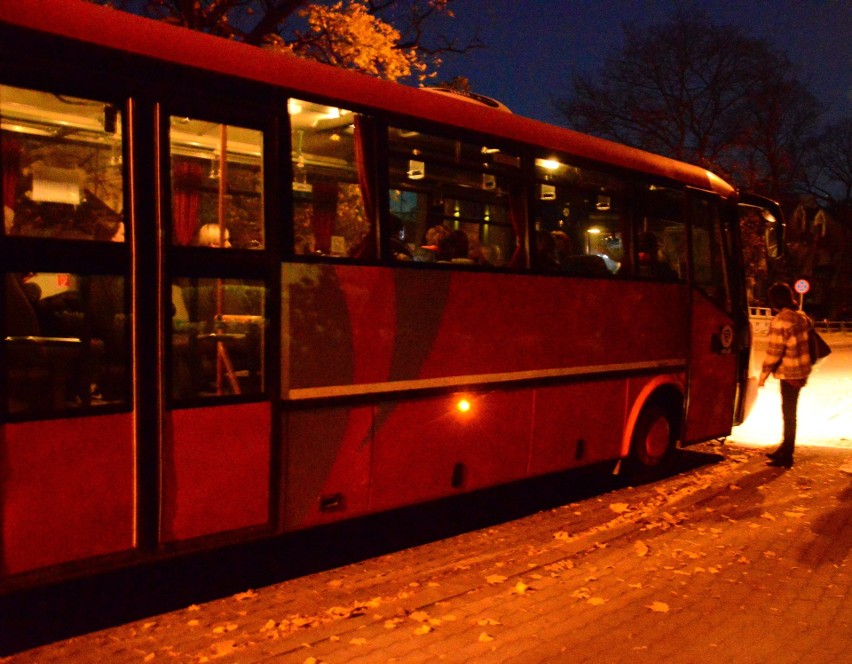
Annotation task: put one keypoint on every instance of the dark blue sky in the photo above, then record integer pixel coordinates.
(535, 46)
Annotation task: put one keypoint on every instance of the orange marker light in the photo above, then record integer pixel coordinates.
(463, 405)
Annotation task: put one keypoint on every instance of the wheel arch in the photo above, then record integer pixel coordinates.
(667, 391)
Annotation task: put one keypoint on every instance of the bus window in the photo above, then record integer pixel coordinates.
(708, 254)
(62, 166)
(661, 249)
(580, 220)
(217, 337)
(66, 338)
(217, 185)
(333, 192)
(454, 202)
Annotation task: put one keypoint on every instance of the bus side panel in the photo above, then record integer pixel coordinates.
(429, 448)
(577, 424)
(66, 490)
(216, 470)
(355, 325)
(328, 465)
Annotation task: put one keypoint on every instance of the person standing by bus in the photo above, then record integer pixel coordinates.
(788, 359)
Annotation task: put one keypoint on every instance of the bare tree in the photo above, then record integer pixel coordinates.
(702, 93)
(830, 172)
(393, 39)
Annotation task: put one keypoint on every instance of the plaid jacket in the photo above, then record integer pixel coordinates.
(787, 355)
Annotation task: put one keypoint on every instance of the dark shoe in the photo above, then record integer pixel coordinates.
(781, 462)
(779, 453)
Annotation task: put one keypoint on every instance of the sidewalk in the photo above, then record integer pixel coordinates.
(734, 561)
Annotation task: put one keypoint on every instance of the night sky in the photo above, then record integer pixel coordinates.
(535, 46)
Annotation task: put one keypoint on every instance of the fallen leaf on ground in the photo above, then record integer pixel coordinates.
(423, 629)
(485, 637)
(658, 607)
(641, 548)
(495, 578)
(419, 616)
(358, 642)
(596, 601)
(223, 648)
(619, 508)
(520, 588)
(248, 594)
(488, 621)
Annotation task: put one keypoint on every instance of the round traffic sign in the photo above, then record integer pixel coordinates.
(802, 286)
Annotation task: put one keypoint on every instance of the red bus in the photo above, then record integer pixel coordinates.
(247, 294)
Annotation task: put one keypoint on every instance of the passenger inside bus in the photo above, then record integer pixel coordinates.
(650, 261)
(210, 235)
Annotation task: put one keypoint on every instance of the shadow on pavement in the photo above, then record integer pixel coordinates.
(35, 617)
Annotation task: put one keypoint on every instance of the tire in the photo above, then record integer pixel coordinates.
(653, 440)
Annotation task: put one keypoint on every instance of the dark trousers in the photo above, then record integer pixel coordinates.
(789, 402)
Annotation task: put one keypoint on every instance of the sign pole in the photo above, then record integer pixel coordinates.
(801, 287)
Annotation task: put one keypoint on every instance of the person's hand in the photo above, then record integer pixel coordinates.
(763, 377)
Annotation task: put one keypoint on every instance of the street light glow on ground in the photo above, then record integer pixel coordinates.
(825, 404)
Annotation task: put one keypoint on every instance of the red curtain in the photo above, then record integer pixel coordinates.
(325, 212)
(365, 161)
(518, 217)
(187, 177)
(11, 163)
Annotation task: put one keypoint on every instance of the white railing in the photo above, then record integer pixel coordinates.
(840, 326)
(760, 318)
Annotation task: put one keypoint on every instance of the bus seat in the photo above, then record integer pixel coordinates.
(586, 266)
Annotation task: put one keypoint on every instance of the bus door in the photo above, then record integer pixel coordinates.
(712, 373)
(67, 444)
(216, 448)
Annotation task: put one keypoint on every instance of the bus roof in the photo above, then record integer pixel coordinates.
(102, 26)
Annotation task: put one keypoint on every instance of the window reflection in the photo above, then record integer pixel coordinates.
(708, 254)
(62, 166)
(333, 207)
(661, 248)
(454, 202)
(66, 338)
(217, 337)
(580, 220)
(217, 185)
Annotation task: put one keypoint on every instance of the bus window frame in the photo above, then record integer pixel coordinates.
(728, 245)
(287, 178)
(193, 262)
(81, 257)
(517, 175)
(628, 180)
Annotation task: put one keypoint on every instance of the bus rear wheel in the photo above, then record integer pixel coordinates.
(654, 438)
